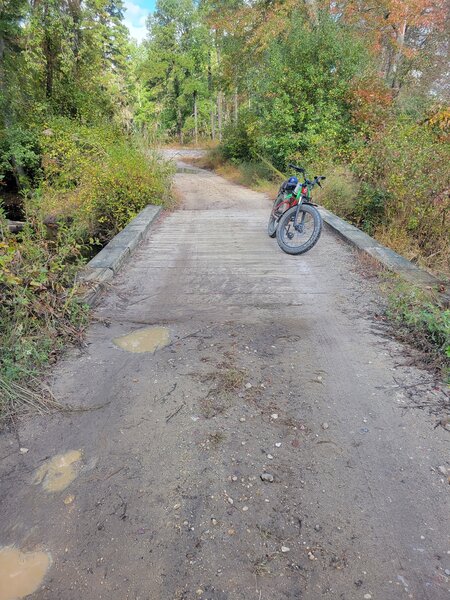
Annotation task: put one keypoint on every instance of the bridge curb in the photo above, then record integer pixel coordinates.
(99, 271)
(388, 258)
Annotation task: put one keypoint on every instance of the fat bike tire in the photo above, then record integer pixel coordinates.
(285, 227)
(272, 227)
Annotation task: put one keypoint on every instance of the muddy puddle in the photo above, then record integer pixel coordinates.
(57, 473)
(144, 340)
(21, 573)
(187, 170)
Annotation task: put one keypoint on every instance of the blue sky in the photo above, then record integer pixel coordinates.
(136, 14)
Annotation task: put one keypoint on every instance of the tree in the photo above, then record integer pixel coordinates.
(176, 72)
(399, 29)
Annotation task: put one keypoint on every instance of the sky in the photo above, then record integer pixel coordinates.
(136, 14)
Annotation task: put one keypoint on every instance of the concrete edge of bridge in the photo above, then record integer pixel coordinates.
(388, 258)
(99, 271)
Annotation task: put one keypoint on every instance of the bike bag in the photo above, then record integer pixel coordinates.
(289, 185)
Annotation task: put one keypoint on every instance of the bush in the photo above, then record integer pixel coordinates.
(19, 156)
(93, 181)
(404, 169)
(340, 192)
(238, 139)
(38, 310)
(98, 177)
(255, 173)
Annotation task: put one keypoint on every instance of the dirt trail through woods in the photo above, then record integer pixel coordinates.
(264, 364)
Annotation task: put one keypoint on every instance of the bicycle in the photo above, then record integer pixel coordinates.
(295, 220)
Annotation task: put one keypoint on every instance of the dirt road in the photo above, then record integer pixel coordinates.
(268, 365)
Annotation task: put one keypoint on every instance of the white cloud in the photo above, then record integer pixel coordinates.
(134, 20)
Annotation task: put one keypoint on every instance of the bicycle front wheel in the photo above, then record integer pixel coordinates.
(300, 237)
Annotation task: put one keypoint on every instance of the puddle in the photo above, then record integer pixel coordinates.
(187, 170)
(21, 573)
(56, 474)
(144, 340)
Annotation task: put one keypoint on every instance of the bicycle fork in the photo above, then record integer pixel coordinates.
(299, 226)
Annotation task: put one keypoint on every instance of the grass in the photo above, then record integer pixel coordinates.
(420, 320)
(226, 381)
(30, 398)
(414, 315)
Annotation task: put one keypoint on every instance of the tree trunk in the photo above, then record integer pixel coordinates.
(48, 54)
(213, 124)
(195, 118)
(75, 12)
(313, 12)
(16, 168)
(236, 106)
(180, 125)
(219, 93)
(177, 90)
(396, 62)
(219, 114)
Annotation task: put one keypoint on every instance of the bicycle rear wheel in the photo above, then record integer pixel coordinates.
(302, 237)
(272, 226)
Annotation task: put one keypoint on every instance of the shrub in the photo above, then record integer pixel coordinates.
(93, 181)
(19, 156)
(239, 138)
(340, 192)
(98, 177)
(405, 172)
(255, 173)
(38, 310)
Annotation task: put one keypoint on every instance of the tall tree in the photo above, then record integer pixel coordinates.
(176, 69)
(399, 30)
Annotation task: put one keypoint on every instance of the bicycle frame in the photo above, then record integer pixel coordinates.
(301, 195)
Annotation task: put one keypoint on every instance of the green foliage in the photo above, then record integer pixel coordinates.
(103, 177)
(421, 320)
(340, 192)
(404, 170)
(175, 71)
(93, 181)
(300, 104)
(254, 173)
(122, 186)
(239, 143)
(38, 311)
(19, 154)
(370, 208)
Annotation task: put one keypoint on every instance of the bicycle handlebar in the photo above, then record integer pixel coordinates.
(315, 181)
(299, 169)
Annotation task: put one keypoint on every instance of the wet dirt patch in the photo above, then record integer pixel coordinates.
(59, 472)
(21, 573)
(149, 340)
(188, 170)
